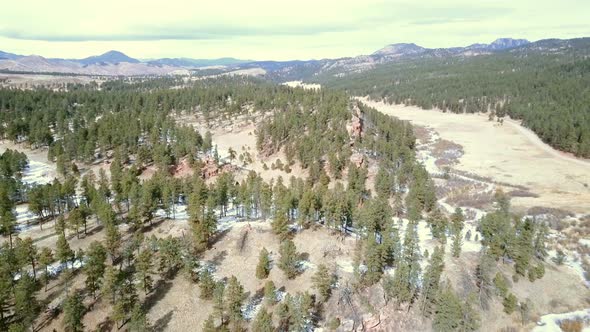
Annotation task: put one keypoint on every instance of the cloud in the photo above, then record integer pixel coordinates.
(187, 32)
(270, 29)
(263, 18)
(453, 15)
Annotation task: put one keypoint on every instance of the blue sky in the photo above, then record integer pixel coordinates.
(277, 29)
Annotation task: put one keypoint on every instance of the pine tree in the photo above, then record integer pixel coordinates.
(323, 281)
(452, 314)
(95, 267)
(126, 299)
(235, 297)
(375, 259)
(289, 259)
(219, 302)
(438, 224)
(110, 284)
(457, 220)
(263, 267)
(483, 278)
(144, 266)
(113, 240)
(45, 259)
(64, 253)
(431, 281)
(524, 247)
(392, 246)
(74, 312)
(406, 276)
(139, 321)
(541, 235)
(280, 225)
(25, 302)
(270, 295)
(206, 284)
(26, 253)
(263, 322)
(76, 220)
(8, 224)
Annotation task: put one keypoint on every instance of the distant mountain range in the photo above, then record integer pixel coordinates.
(110, 63)
(117, 63)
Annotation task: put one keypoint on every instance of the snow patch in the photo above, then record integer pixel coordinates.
(38, 173)
(550, 322)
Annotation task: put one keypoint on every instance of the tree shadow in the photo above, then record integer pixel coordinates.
(106, 325)
(95, 229)
(160, 289)
(163, 321)
(304, 256)
(218, 236)
(218, 258)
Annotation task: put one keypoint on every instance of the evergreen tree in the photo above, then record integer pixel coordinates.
(270, 295)
(8, 224)
(263, 322)
(406, 276)
(541, 235)
(139, 321)
(26, 253)
(457, 220)
(431, 281)
(289, 259)
(263, 267)
(25, 302)
(438, 224)
(45, 259)
(280, 225)
(219, 301)
(323, 281)
(110, 284)
(206, 284)
(375, 259)
(64, 253)
(234, 295)
(144, 266)
(95, 267)
(113, 240)
(452, 314)
(74, 312)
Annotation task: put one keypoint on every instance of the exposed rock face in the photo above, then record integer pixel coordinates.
(210, 168)
(356, 129)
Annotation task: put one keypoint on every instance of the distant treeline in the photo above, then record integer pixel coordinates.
(549, 92)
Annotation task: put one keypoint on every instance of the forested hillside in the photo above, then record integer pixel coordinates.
(547, 85)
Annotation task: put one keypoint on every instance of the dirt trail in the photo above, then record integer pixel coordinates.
(544, 146)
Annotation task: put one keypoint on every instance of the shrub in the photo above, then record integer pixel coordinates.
(571, 325)
(510, 302)
(501, 284)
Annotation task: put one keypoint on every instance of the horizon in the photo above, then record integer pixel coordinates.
(260, 30)
(144, 59)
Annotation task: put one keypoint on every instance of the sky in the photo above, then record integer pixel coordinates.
(275, 29)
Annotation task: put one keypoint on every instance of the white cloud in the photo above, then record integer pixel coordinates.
(265, 29)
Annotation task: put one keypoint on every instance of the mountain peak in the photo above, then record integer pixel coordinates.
(400, 49)
(504, 43)
(112, 57)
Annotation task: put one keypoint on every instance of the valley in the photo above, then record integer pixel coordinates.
(411, 189)
(507, 153)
